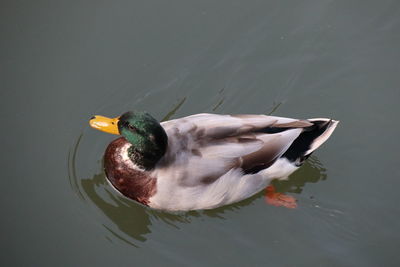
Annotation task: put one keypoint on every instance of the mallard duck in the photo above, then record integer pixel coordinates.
(204, 161)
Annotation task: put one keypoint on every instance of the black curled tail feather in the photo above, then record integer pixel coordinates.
(309, 140)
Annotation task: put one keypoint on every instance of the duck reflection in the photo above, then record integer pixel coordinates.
(133, 220)
(312, 171)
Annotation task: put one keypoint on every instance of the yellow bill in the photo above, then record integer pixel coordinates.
(108, 125)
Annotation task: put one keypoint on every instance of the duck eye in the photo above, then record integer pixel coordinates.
(132, 128)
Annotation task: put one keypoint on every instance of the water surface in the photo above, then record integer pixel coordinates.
(63, 62)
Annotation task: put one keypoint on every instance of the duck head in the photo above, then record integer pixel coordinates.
(145, 134)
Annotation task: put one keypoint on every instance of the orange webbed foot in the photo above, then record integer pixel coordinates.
(278, 199)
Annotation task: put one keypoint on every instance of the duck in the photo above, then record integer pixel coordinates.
(205, 161)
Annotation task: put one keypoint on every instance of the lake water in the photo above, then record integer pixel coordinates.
(64, 61)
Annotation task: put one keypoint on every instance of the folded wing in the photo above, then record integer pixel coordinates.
(205, 146)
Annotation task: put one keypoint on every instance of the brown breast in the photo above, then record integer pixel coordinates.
(132, 183)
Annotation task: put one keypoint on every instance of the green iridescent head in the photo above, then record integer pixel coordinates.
(142, 131)
(148, 138)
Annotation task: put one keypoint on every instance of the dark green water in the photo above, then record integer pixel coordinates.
(64, 61)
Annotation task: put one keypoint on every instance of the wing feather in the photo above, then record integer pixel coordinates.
(204, 147)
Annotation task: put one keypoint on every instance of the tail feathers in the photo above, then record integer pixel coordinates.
(327, 128)
(309, 140)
